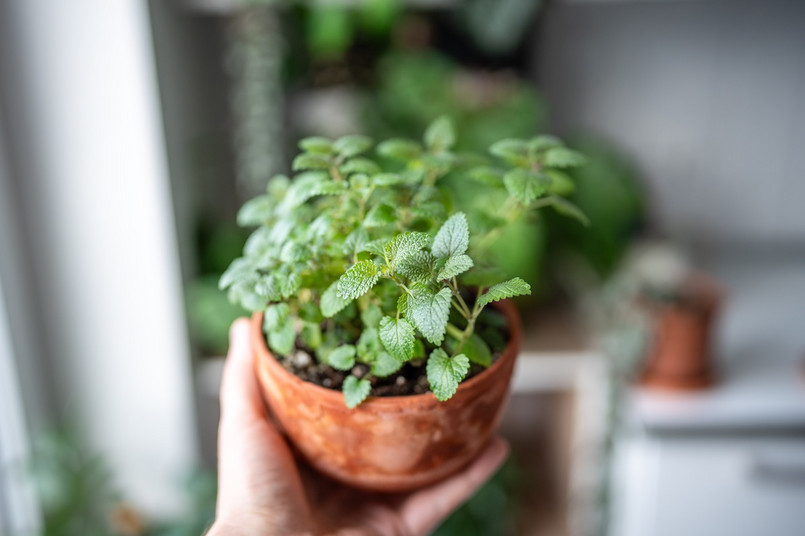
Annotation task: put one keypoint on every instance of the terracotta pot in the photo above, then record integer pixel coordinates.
(387, 443)
(680, 359)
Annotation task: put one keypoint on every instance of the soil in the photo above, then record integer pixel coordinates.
(411, 379)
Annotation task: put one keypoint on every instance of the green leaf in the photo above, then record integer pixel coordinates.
(355, 390)
(487, 175)
(278, 325)
(404, 245)
(385, 365)
(316, 144)
(342, 358)
(360, 165)
(440, 135)
(416, 266)
(256, 211)
(355, 241)
(566, 208)
(454, 266)
(561, 183)
(388, 179)
(397, 335)
(275, 316)
(475, 348)
(375, 246)
(358, 280)
(507, 289)
(562, 157)
(429, 312)
(310, 161)
(352, 145)
(445, 373)
(371, 316)
(453, 237)
(512, 151)
(380, 215)
(328, 188)
(400, 149)
(304, 187)
(402, 305)
(525, 186)
(369, 345)
(332, 302)
(542, 143)
(311, 335)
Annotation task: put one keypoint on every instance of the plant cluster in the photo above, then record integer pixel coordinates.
(363, 255)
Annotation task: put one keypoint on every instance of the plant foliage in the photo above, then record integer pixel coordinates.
(362, 256)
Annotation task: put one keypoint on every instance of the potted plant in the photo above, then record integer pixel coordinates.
(384, 349)
(682, 305)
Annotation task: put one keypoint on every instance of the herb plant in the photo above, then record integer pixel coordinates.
(362, 256)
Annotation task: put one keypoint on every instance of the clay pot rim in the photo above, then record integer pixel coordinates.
(423, 400)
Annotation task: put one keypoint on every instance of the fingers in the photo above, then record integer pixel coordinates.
(240, 394)
(424, 510)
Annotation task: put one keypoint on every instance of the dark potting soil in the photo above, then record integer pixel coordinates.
(411, 379)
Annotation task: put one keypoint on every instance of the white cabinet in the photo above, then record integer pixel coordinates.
(696, 485)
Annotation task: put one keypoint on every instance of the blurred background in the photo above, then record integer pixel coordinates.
(660, 389)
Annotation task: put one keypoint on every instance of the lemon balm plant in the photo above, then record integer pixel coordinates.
(363, 263)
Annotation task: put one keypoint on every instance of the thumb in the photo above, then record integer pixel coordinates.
(240, 394)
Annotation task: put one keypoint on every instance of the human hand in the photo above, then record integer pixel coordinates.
(262, 490)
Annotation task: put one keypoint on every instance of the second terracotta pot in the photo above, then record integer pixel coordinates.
(388, 443)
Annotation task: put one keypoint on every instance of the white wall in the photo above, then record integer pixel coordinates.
(87, 130)
(708, 96)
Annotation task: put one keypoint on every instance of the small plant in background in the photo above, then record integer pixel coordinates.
(362, 262)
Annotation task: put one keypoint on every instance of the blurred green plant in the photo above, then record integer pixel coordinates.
(493, 509)
(75, 487)
(413, 88)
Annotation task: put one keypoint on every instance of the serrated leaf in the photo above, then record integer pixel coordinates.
(540, 144)
(525, 186)
(328, 188)
(388, 179)
(331, 302)
(270, 286)
(303, 188)
(453, 237)
(385, 365)
(402, 305)
(566, 208)
(342, 358)
(375, 246)
(445, 373)
(429, 312)
(475, 348)
(355, 241)
(416, 266)
(400, 149)
(562, 157)
(290, 285)
(238, 270)
(440, 135)
(355, 391)
(310, 161)
(358, 280)
(397, 336)
(511, 150)
(360, 165)
(256, 211)
(316, 144)
(380, 215)
(507, 289)
(454, 266)
(404, 244)
(352, 145)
